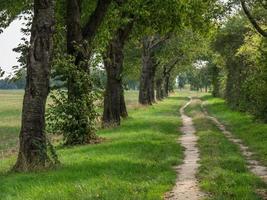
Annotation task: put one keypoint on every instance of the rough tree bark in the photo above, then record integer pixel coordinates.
(74, 37)
(114, 102)
(32, 151)
(159, 89)
(146, 91)
(149, 68)
(77, 35)
(167, 74)
(166, 85)
(82, 37)
(123, 108)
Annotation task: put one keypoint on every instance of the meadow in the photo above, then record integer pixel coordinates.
(134, 162)
(223, 171)
(10, 117)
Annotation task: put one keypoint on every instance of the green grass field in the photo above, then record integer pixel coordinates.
(243, 126)
(10, 117)
(135, 162)
(223, 172)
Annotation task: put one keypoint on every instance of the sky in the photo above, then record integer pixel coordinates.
(10, 39)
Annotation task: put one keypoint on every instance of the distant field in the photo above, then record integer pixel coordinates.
(10, 117)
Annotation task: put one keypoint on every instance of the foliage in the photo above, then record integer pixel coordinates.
(254, 50)
(10, 84)
(76, 120)
(10, 10)
(243, 66)
(199, 76)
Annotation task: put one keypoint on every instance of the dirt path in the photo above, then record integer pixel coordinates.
(255, 166)
(187, 185)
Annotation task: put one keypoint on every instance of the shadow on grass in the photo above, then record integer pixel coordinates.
(134, 161)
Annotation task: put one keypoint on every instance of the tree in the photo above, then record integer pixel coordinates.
(252, 19)
(10, 10)
(227, 42)
(163, 80)
(33, 151)
(149, 65)
(114, 102)
(181, 15)
(79, 46)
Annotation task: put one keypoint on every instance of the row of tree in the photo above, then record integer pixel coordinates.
(72, 40)
(233, 58)
(78, 42)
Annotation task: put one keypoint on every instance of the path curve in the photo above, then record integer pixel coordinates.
(254, 166)
(187, 185)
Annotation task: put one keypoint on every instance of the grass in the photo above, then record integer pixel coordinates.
(10, 115)
(135, 162)
(242, 125)
(223, 173)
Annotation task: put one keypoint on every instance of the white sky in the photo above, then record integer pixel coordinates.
(9, 39)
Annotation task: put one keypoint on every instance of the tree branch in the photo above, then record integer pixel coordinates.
(124, 30)
(252, 20)
(94, 21)
(172, 64)
(158, 41)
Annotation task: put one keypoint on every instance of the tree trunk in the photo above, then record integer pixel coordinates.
(33, 151)
(82, 37)
(114, 102)
(112, 99)
(252, 19)
(215, 81)
(166, 85)
(159, 90)
(123, 108)
(152, 89)
(74, 39)
(77, 35)
(146, 92)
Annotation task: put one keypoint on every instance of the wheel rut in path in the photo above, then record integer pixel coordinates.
(254, 166)
(186, 186)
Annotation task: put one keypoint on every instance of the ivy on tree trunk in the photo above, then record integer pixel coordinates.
(79, 45)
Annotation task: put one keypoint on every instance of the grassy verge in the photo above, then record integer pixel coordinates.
(253, 133)
(134, 163)
(223, 173)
